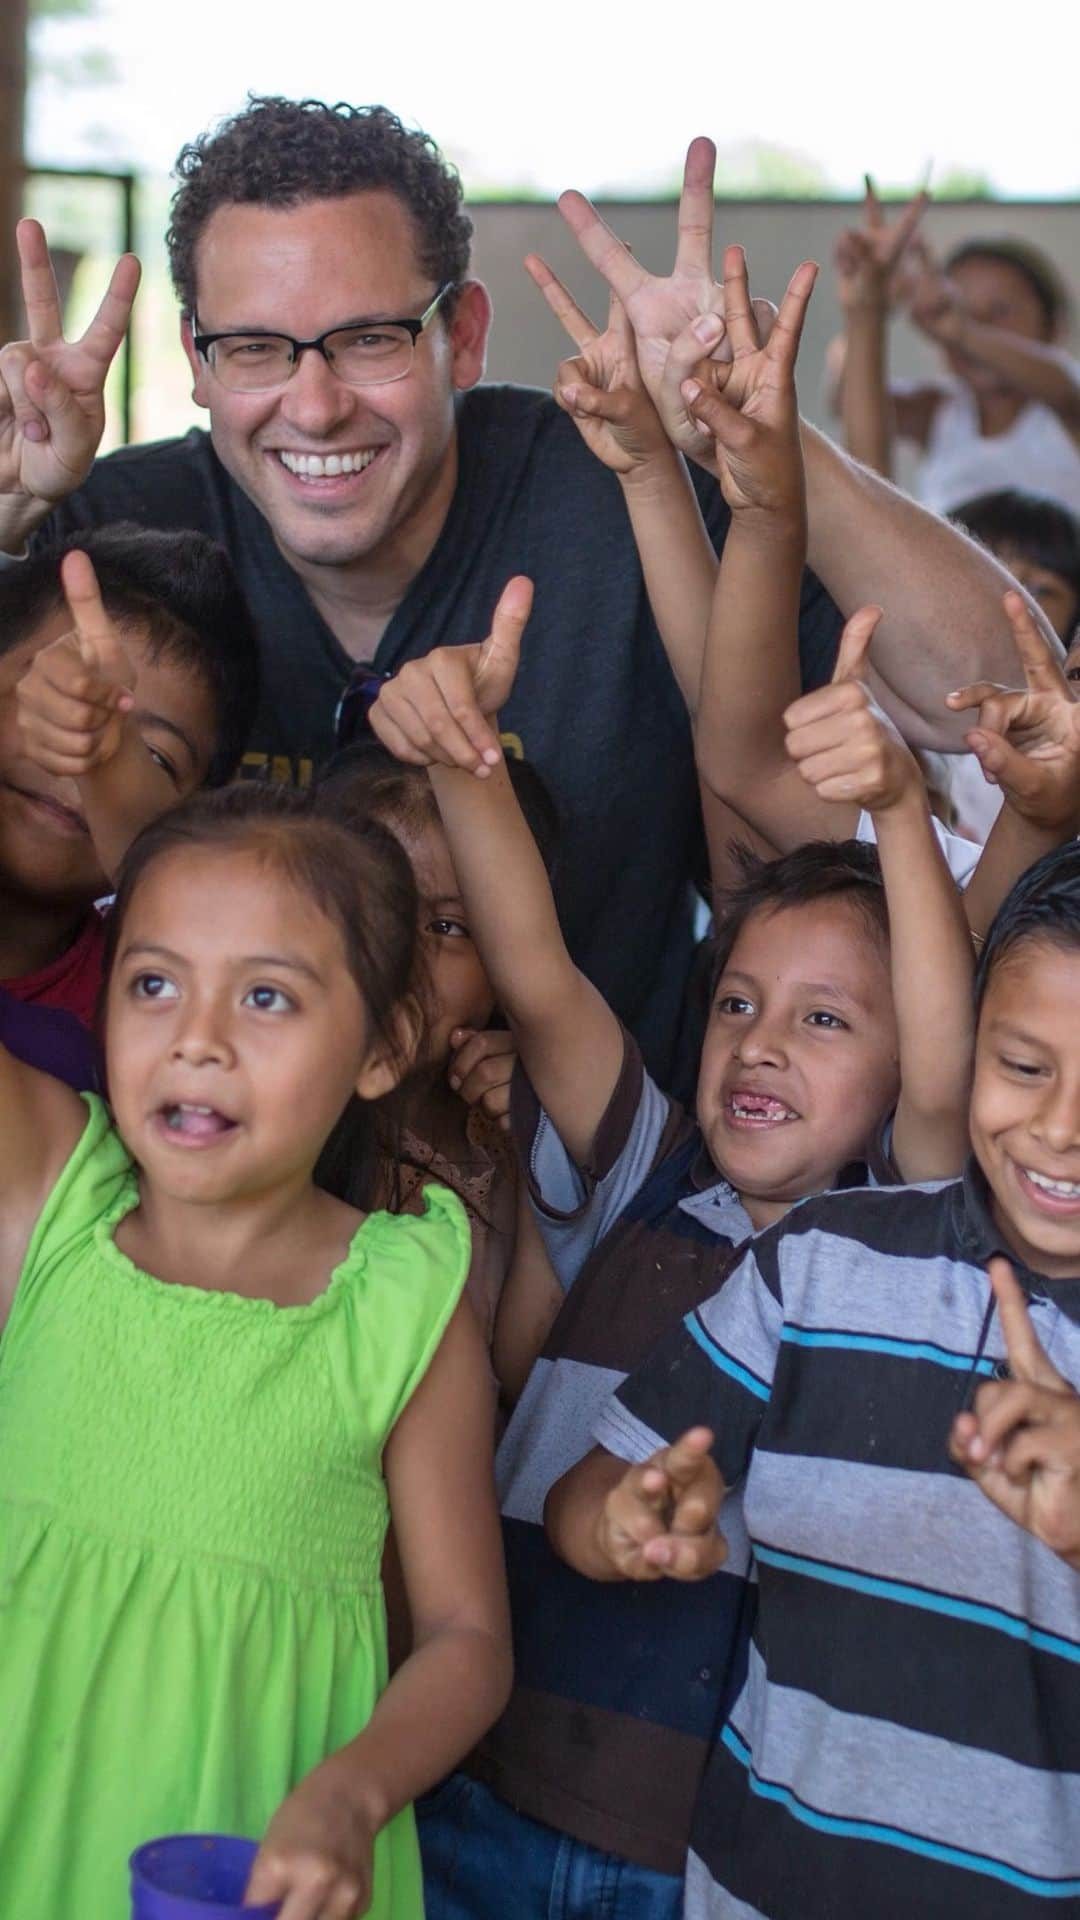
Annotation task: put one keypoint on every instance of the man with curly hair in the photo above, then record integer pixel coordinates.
(375, 498)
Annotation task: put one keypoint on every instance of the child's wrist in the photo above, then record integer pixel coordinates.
(653, 475)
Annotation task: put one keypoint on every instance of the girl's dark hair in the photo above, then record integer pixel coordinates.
(179, 588)
(1029, 262)
(358, 877)
(1046, 533)
(819, 870)
(1043, 905)
(279, 153)
(364, 781)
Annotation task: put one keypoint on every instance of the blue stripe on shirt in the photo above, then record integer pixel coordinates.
(725, 1361)
(882, 1343)
(845, 1828)
(906, 1594)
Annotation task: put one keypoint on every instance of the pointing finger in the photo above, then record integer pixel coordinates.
(682, 1461)
(562, 303)
(1027, 1361)
(872, 205)
(851, 657)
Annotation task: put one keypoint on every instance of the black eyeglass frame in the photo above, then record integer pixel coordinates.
(202, 342)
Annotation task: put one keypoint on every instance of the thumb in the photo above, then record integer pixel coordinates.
(851, 657)
(99, 641)
(497, 664)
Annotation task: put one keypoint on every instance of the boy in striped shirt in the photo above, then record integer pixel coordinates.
(890, 1379)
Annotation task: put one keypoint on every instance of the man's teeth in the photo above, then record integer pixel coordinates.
(319, 466)
(1064, 1189)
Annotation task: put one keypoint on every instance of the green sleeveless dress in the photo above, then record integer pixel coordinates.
(192, 1514)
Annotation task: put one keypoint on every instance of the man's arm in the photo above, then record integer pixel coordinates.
(944, 623)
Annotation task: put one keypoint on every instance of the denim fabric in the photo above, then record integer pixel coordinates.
(483, 1861)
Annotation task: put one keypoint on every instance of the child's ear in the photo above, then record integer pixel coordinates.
(391, 1060)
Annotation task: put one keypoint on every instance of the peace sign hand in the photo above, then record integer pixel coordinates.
(1028, 741)
(601, 387)
(1021, 1444)
(662, 309)
(867, 257)
(52, 391)
(73, 699)
(747, 404)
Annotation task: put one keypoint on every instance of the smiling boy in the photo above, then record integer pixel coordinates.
(906, 1738)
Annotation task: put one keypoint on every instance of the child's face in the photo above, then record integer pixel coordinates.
(45, 850)
(461, 993)
(799, 1066)
(1025, 1104)
(1051, 591)
(234, 1032)
(996, 295)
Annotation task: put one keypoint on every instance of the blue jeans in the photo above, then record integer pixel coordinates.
(483, 1861)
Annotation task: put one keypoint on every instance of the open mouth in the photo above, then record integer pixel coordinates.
(1048, 1194)
(757, 1111)
(187, 1125)
(54, 811)
(314, 467)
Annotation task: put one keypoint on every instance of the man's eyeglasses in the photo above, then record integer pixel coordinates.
(366, 354)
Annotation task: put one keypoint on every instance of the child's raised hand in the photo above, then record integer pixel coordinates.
(316, 1856)
(867, 258)
(73, 698)
(601, 386)
(1027, 741)
(434, 711)
(933, 301)
(838, 737)
(1021, 1443)
(747, 404)
(659, 1521)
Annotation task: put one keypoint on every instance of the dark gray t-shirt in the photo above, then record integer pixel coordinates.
(595, 706)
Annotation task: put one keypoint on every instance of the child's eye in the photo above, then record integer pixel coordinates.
(1027, 1069)
(269, 1000)
(735, 1003)
(152, 986)
(448, 929)
(162, 760)
(831, 1022)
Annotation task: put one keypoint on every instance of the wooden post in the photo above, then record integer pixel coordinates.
(13, 28)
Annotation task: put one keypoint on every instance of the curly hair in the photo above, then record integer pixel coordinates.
(279, 153)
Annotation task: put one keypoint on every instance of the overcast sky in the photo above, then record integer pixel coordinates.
(543, 97)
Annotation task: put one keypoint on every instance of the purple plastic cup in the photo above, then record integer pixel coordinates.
(194, 1876)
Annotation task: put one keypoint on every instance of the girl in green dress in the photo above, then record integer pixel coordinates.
(218, 1383)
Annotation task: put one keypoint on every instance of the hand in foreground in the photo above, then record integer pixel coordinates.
(73, 699)
(659, 1521)
(747, 404)
(52, 390)
(678, 317)
(481, 1069)
(1021, 1444)
(317, 1853)
(434, 712)
(601, 386)
(867, 258)
(838, 737)
(1027, 741)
